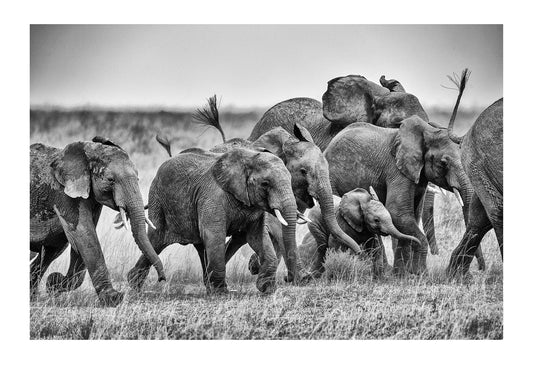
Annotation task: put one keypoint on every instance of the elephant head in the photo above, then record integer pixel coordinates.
(102, 170)
(353, 98)
(261, 180)
(309, 174)
(361, 209)
(425, 151)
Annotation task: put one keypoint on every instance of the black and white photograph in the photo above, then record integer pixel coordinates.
(244, 188)
(262, 190)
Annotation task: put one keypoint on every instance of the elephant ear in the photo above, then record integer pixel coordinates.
(351, 208)
(409, 151)
(71, 170)
(302, 133)
(273, 141)
(231, 174)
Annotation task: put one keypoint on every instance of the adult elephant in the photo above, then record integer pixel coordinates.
(350, 99)
(482, 158)
(362, 216)
(303, 159)
(68, 188)
(200, 198)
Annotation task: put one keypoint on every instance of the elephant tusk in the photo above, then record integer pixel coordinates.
(280, 218)
(315, 202)
(304, 218)
(123, 216)
(151, 224)
(458, 196)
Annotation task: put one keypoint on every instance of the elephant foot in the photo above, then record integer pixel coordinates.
(54, 284)
(110, 297)
(266, 286)
(253, 264)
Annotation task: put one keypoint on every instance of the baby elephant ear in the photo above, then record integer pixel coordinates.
(302, 133)
(71, 170)
(373, 193)
(105, 141)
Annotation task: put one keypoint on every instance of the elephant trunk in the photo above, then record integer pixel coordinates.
(135, 209)
(287, 207)
(325, 199)
(389, 228)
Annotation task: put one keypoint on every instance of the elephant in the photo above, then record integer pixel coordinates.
(347, 100)
(362, 216)
(304, 161)
(68, 188)
(482, 158)
(200, 197)
(350, 99)
(398, 163)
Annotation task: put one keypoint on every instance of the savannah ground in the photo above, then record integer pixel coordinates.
(346, 303)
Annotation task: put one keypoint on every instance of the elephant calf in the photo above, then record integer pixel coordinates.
(200, 198)
(360, 215)
(68, 188)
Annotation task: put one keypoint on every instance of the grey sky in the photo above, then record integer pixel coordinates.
(255, 65)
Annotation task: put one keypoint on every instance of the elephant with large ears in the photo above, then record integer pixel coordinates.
(482, 158)
(398, 163)
(350, 99)
(200, 197)
(68, 188)
(304, 161)
(362, 216)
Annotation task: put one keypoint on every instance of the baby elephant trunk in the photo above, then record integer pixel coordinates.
(389, 228)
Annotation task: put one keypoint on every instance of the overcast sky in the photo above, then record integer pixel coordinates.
(255, 65)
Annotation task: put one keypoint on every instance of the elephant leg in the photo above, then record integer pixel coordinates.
(57, 283)
(478, 225)
(82, 236)
(203, 260)
(409, 256)
(235, 243)
(40, 264)
(260, 241)
(479, 252)
(138, 274)
(428, 221)
(215, 248)
(374, 246)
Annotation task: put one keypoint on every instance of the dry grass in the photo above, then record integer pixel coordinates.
(346, 303)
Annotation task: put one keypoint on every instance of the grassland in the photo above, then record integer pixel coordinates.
(345, 304)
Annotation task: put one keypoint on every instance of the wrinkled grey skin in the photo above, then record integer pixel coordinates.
(200, 198)
(398, 164)
(482, 158)
(309, 178)
(349, 99)
(362, 217)
(68, 188)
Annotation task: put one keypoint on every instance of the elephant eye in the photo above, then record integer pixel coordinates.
(264, 184)
(303, 171)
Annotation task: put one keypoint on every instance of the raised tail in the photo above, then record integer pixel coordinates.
(208, 116)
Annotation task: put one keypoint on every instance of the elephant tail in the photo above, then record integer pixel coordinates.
(208, 116)
(165, 143)
(461, 84)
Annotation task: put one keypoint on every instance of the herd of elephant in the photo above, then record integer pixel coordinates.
(365, 162)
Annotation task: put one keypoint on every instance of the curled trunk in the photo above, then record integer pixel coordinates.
(325, 199)
(389, 228)
(135, 208)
